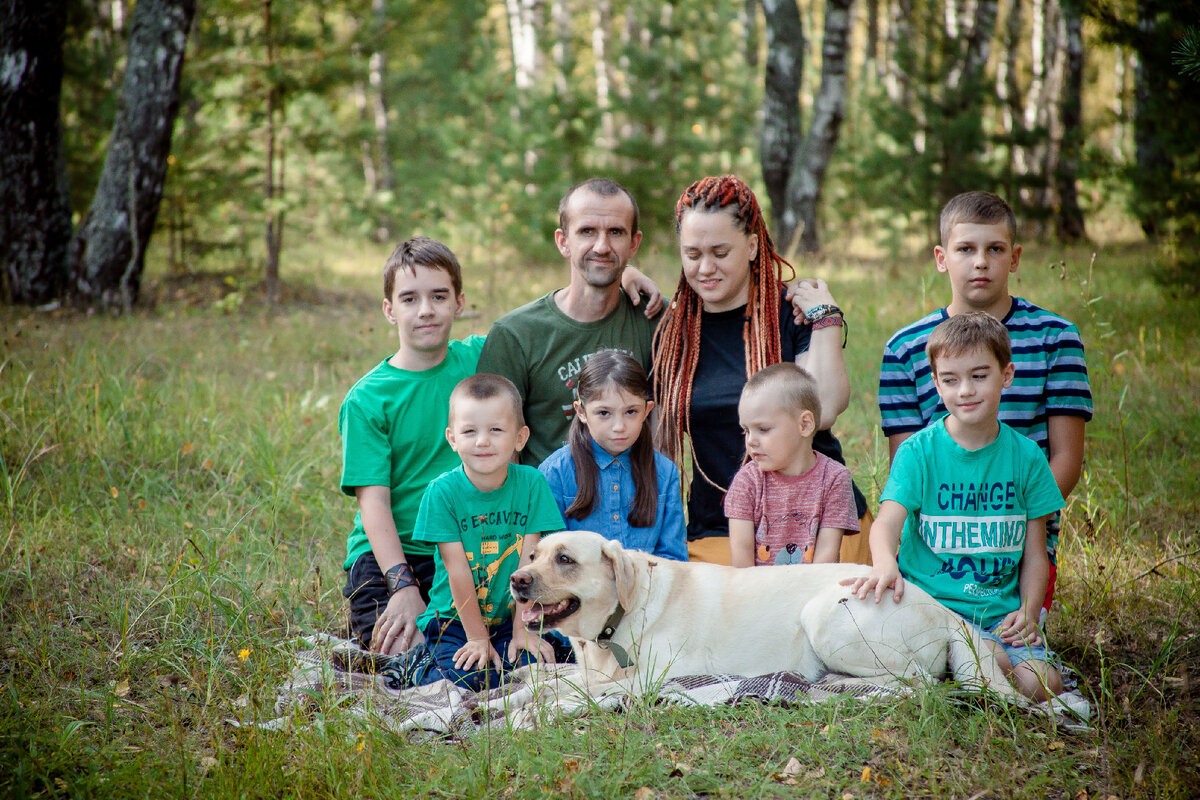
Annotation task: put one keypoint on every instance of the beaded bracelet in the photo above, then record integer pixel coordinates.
(821, 312)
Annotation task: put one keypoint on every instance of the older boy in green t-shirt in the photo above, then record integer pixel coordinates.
(392, 424)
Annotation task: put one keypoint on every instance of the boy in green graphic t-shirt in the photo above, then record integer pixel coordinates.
(972, 497)
(485, 518)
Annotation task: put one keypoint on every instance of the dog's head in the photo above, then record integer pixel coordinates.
(575, 581)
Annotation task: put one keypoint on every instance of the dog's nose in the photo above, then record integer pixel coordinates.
(521, 580)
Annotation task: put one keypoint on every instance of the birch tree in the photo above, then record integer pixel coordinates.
(109, 249)
(800, 165)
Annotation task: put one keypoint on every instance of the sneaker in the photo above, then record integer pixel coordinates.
(408, 669)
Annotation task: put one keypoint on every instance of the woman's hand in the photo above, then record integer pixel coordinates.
(806, 294)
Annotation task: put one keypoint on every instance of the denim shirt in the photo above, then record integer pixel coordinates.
(666, 537)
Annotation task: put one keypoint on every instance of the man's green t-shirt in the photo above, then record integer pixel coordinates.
(393, 427)
(967, 512)
(490, 526)
(541, 350)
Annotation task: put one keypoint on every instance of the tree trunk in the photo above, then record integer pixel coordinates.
(273, 185)
(523, 31)
(108, 251)
(35, 215)
(600, 46)
(379, 107)
(781, 133)
(964, 97)
(1068, 224)
(829, 106)
(1008, 93)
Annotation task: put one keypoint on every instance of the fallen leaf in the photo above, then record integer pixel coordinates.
(1055, 746)
(865, 777)
(207, 762)
(208, 462)
(793, 767)
(1082, 794)
(187, 448)
(113, 491)
(819, 772)
(121, 689)
(644, 793)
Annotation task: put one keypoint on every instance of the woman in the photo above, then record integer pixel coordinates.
(730, 317)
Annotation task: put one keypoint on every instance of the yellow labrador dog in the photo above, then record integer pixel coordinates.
(638, 619)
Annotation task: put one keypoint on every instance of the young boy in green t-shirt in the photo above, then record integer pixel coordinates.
(972, 497)
(485, 517)
(391, 424)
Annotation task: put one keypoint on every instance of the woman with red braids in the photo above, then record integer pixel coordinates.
(730, 317)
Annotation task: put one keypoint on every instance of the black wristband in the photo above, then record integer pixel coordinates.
(400, 577)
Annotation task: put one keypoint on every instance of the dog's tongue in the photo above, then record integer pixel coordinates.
(536, 611)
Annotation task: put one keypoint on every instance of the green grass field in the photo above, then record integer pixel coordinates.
(171, 521)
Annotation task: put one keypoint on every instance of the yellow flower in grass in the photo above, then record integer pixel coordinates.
(244, 653)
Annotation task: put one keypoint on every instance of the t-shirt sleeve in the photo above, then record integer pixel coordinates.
(1067, 388)
(502, 354)
(436, 519)
(366, 448)
(742, 494)
(839, 510)
(906, 480)
(544, 516)
(899, 406)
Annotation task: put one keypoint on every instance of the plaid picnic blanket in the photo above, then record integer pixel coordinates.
(336, 673)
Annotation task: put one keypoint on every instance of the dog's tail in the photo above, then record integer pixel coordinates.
(973, 664)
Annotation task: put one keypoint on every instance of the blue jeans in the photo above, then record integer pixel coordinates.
(1018, 653)
(444, 636)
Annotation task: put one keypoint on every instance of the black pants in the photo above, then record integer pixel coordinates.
(366, 590)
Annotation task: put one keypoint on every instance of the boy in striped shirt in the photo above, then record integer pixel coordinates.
(1049, 400)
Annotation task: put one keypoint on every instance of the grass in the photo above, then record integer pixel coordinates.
(170, 520)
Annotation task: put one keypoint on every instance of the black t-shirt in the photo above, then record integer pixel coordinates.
(715, 431)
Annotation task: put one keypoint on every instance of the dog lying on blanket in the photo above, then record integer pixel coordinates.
(638, 620)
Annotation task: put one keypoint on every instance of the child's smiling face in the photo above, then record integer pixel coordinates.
(970, 384)
(485, 434)
(614, 418)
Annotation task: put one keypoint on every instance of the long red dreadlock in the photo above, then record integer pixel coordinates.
(677, 339)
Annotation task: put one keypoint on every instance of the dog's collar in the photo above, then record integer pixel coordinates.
(606, 634)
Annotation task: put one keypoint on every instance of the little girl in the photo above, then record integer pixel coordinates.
(609, 479)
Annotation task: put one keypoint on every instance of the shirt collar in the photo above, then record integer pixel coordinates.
(604, 459)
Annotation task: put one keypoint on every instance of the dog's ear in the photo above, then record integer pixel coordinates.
(624, 571)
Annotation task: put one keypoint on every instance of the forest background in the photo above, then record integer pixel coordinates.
(168, 468)
(371, 119)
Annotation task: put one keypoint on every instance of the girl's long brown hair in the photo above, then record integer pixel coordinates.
(677, 339)
(601, 370)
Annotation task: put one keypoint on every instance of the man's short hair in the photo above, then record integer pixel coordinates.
(979, 208)
(963, 333)
(420, 251)
(792, 388)
(605, 187)
(486, 386)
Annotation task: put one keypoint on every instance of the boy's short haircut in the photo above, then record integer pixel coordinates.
(605, 187)
(486, 386)
(981, 208)
(421, 251)
(973, 330)
(792, 388)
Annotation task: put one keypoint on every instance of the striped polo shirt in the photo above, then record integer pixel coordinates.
(1051, 374)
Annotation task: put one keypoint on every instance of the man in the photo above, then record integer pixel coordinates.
(541, 346)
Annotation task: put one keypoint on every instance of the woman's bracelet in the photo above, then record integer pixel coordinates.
(400, 577)
(818, 313)
(830, 320)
